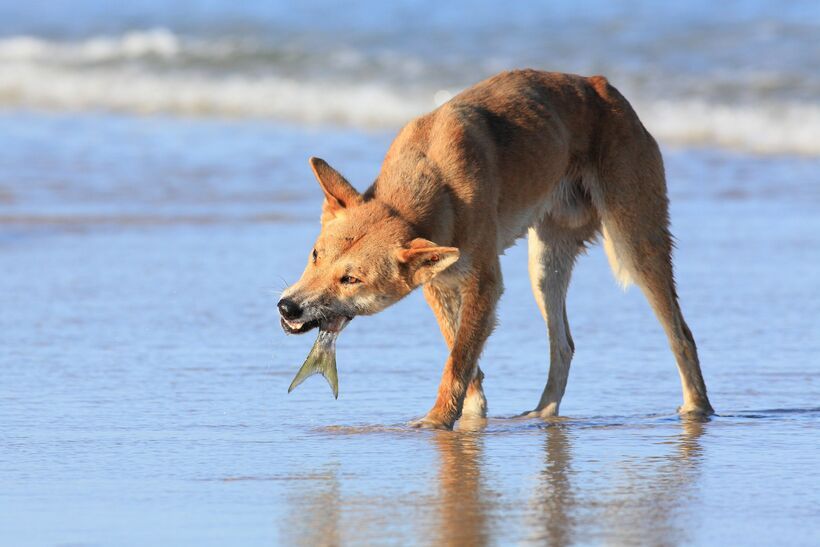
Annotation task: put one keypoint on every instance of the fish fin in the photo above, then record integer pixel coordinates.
(332, 378)
(300, 377)
(318, 362)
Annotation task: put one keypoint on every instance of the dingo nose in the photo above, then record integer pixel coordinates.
(289, 309)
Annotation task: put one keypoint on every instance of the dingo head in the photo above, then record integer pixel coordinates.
(366, 258)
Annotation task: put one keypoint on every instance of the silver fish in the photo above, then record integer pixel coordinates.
(322, 357)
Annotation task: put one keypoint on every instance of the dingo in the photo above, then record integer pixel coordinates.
(557, 156)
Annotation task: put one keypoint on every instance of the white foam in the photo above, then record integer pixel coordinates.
(765, 128)
(135, 91)
(154, 42)
(145, 72)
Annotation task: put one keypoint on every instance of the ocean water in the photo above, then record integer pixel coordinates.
(745, 76)
(155, 198)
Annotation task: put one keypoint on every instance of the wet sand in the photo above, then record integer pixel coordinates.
(144, 373)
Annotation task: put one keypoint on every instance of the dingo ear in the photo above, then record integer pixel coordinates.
(339, 194)
(425, 259)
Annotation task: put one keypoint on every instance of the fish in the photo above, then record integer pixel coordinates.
(322, 356)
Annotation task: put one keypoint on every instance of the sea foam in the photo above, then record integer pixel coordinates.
(159, 72)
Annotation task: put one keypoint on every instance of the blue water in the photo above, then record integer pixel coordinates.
(145, 235)
(745, 76)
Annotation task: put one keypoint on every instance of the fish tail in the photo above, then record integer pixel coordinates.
(323, 363)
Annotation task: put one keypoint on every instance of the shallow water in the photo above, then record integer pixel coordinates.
(155, 198)
(144, 374)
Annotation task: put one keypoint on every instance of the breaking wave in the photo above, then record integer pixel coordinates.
(766, 128)
(159, 72)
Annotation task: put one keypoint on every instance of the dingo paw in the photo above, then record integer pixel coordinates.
(549, 411)
(695, 410)
(431, 422)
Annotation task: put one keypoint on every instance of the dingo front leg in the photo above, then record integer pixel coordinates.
(445, 301)
(479, 292)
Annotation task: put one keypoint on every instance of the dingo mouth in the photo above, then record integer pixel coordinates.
(300, 327)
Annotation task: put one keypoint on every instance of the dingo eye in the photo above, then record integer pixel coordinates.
(349, 280)
(315, 255)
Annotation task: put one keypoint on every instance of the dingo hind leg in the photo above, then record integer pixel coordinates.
(634, 210)
(553, 250)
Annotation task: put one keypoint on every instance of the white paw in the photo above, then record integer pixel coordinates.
(696, 410)
(541, 413)
(430, 423)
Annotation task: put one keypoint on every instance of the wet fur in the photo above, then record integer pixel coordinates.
(560, 157)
